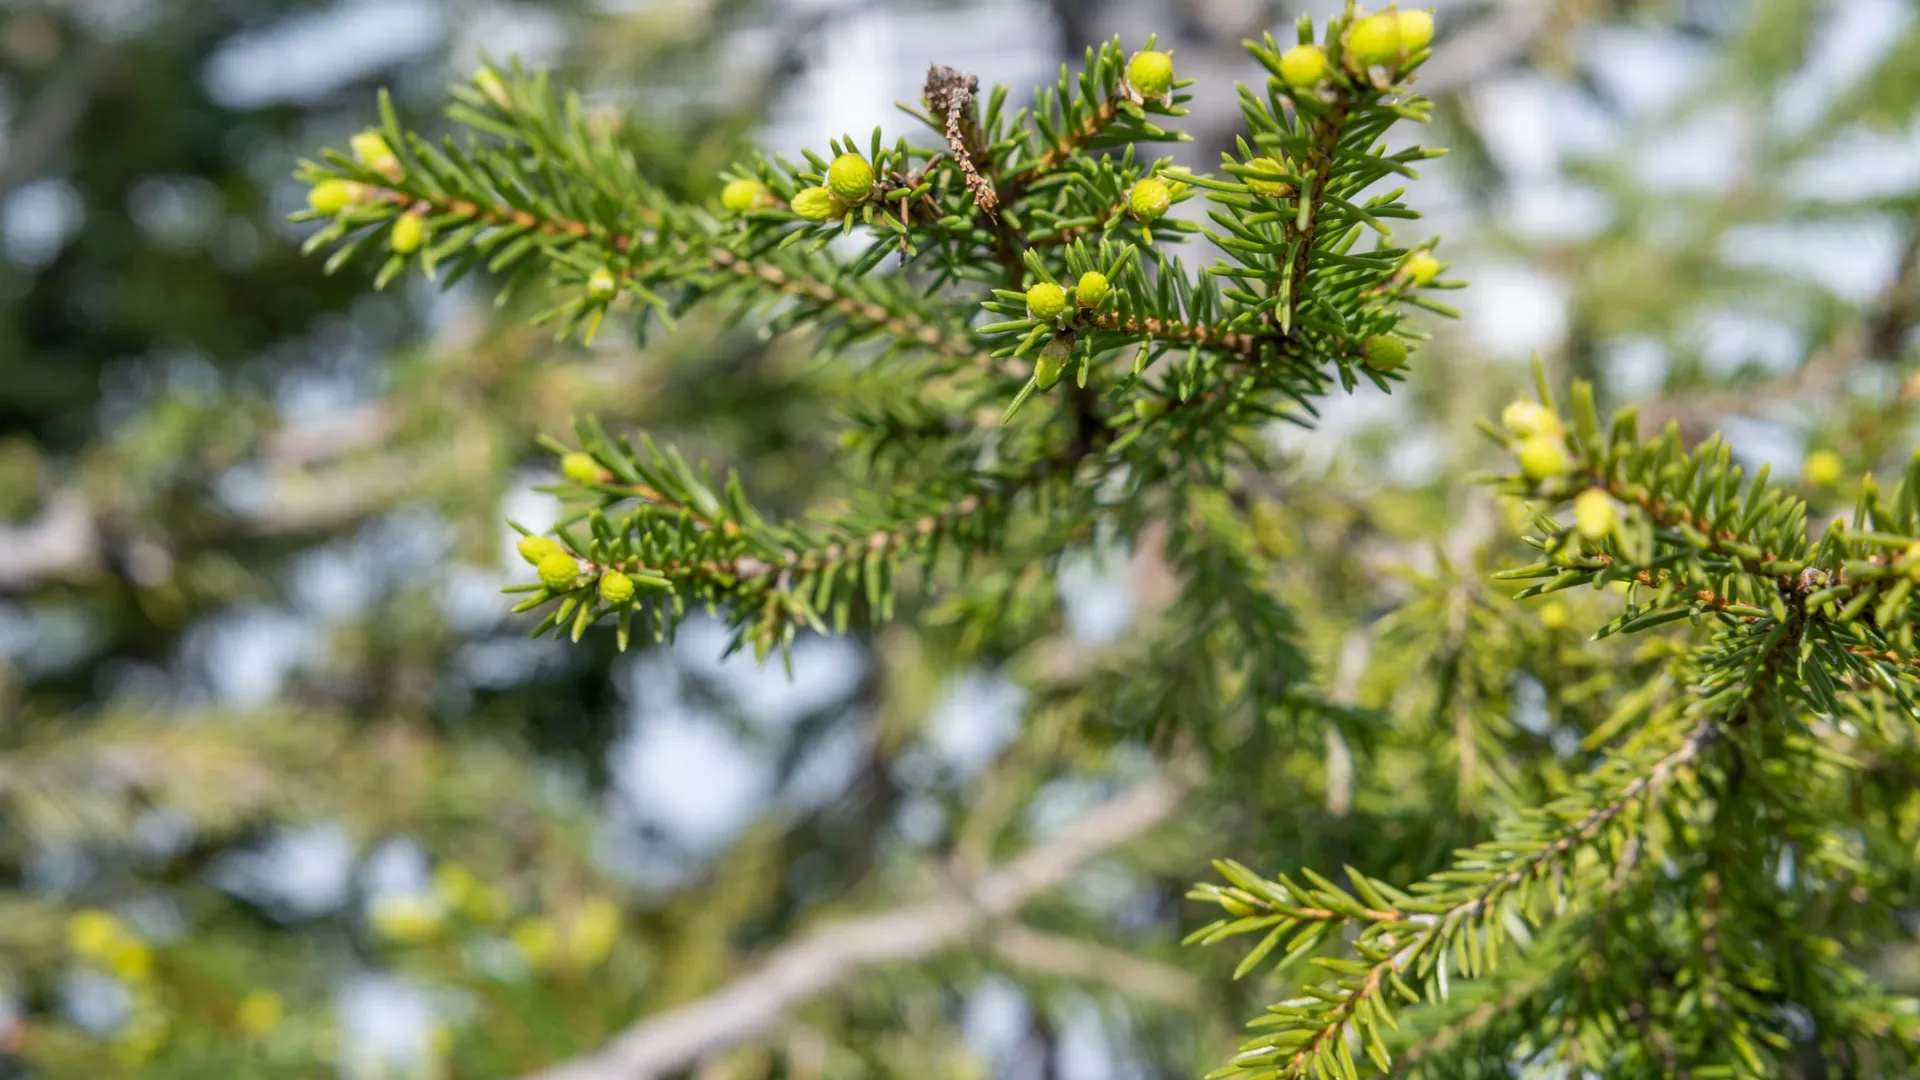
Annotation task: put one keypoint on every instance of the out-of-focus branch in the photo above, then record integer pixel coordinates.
(76, 539)
(1486, 46)
(1090, 962)
(1877, 336)
(1899, 307)
(322, 440)
(82, 533)
(818, 962)
(52, 116)
(63, 544)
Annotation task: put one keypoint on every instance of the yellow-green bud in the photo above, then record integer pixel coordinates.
(1092, 289)
(1045, 300)
(535, 548)
(1303, 66)
(580, 468)
(558, 571)
(850, 178)
(1374, 40)
(1051, 363)
(1416, 30)
(1542, 456)
(1267, 166)
(490, 85)
(1151, 73)
(1824, 468)
(1148, 408)
(94, 934)
(815, 204)
(602, 284)
(616, 587)
(1149, 200)
(371, 149)
(740, 196)
(409, 232)
(259, 1012)
(1383, 352)
(1526, 419)
(1594, 514)
(332, 196)
(1421, 267)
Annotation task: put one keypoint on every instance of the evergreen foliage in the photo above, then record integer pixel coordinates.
(1107, 384)
(1601, 763)
(1017, 202)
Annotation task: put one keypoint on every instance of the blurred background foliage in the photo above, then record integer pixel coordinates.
(284, 792)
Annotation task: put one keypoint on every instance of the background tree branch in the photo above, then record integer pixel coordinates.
(818, 962)
(53, 116)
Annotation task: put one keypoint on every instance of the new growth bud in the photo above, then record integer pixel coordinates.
(1421, 267)
(1594, 515)
(558, 571)
(1092, 289)
(580, 468)
(1542, 456)
(1384, 352)
(370, 149)
(850, 179)
(740, 196)
(1824, 468)
(616, 587)
(1046, 301)
(1303, 66)
(1268, 167)
(409, 232)
(1526, 419)
(601, 284)
(536, 548)
(1416, 30)
(1374, 40)
(488, 82)
(1149, 200)
(1151, 73)
(330, 197)
(815, 204)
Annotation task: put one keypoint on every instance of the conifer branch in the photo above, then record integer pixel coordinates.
(1244, 345)
(824, 293)
(1721, 544)
(565, 191)
(711, 548)
(44, 125)
(1406, 942)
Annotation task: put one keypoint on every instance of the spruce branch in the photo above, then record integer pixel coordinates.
(657, 523)
(1002, 198)
(1407, 941)
(581, 246)
(1731, 546)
